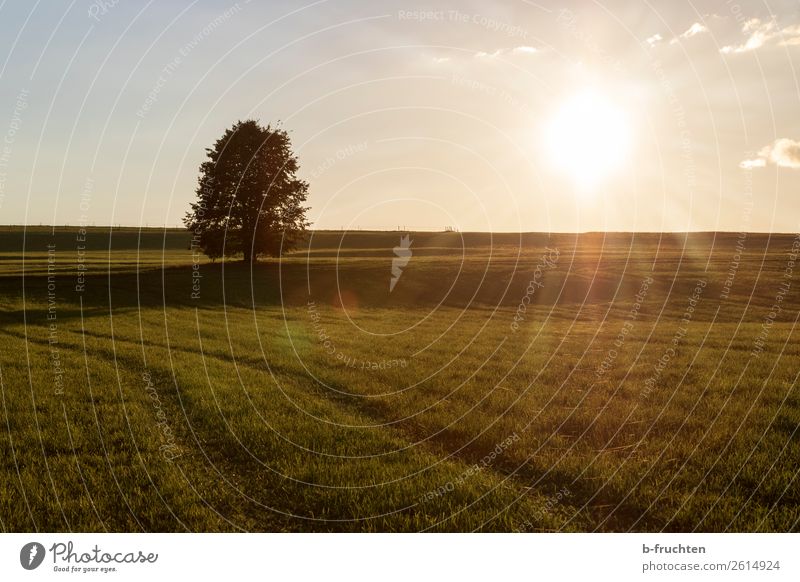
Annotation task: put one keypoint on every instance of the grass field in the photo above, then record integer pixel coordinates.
(596, 382)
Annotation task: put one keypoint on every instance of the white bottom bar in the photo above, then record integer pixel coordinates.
(389, 557)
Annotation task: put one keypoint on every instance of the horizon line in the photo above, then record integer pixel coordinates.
(422, 231)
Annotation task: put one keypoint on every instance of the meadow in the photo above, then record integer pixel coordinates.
(508, 382)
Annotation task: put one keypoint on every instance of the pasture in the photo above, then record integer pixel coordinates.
(534, 382)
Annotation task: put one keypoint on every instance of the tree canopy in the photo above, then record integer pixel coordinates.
(249, 199)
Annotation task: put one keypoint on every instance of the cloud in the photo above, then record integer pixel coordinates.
(693, 30)
(784, 153)
(519, 50)
(654, 40)
(761, 33)
(754, 163)
(790, 36)
(461, 58)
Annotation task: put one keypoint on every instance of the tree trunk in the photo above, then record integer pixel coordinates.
(249, 256)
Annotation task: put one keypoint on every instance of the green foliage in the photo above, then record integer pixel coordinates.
(249, 199)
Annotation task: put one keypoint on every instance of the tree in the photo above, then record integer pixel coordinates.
(249, 199)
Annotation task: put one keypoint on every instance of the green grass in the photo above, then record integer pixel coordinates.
(303, 396)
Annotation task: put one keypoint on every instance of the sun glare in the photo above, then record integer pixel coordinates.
(588, 138)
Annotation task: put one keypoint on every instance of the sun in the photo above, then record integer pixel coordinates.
(588, 138)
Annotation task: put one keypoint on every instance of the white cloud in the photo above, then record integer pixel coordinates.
(790, 36)
(694, 29)
(784, 153)
(520, 50)
(760, 33)
(460, 58)
(754, 163)
(654, 40)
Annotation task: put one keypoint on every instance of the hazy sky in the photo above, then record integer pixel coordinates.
(416, 114)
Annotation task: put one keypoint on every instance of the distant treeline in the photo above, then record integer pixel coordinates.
(15, 238)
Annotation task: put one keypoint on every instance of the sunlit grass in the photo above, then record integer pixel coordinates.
(252, 421)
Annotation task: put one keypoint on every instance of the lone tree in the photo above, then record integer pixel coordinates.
(249, 200)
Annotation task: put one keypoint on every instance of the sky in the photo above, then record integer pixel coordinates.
(502, 116)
